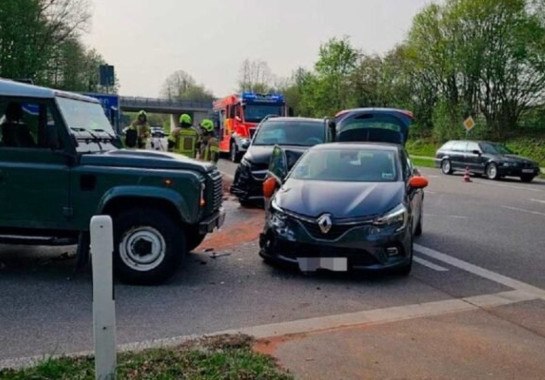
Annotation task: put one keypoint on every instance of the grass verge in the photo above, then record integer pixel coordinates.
(421, 162)
(223, 357)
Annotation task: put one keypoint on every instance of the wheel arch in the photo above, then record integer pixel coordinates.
(119, 199)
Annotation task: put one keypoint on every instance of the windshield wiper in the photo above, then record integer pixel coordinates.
(96, 139)
(111, 136)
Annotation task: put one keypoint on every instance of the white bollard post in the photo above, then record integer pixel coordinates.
(102, 247)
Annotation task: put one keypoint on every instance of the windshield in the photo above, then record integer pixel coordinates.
(303, 133)
(491, 148)
(348, 165)
(254, 113)
(88, 124)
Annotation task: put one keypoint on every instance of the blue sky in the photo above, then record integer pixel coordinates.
(148, 40)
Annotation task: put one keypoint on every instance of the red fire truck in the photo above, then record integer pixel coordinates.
(237, 117)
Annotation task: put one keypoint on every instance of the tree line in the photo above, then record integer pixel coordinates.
(479, 58)
(40, 40)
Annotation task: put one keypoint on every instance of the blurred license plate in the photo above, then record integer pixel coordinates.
(311, 264)
(527, 170)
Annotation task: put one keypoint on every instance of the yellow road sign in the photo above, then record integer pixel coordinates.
(469, 123)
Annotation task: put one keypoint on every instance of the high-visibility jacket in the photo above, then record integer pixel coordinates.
(211, 150)
(185, 141)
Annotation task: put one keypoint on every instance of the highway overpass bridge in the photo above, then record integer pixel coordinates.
(198, 110)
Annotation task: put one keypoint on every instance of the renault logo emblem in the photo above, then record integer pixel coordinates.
(324, 222)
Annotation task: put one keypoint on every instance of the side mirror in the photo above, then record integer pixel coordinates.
(418, 182)
(478, 152)
(269, 187)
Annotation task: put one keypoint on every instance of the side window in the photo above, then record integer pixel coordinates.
(471, 146)
(460, 146)
(25, 124)
(231, 110)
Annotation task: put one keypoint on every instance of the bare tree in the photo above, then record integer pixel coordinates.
(255, 76)
(182, 86)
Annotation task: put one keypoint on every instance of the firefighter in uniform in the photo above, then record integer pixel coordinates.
(184, 139)
(209, 146)
(143, 130)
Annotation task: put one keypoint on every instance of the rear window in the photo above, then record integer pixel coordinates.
(369, 127)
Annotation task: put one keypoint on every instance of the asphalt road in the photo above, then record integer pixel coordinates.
(478, 238)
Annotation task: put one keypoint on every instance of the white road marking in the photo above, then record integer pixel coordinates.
(481, 272)
(429, 264)
(521, 292)
(538, 201)
(524, 210)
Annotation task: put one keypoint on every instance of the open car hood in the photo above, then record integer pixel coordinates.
(373, 125)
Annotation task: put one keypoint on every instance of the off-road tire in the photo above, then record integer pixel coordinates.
(140, 223)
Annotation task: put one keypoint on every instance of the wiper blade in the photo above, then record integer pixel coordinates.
(96, 139)
(111, 136)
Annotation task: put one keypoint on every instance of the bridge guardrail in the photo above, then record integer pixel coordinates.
(153, 102)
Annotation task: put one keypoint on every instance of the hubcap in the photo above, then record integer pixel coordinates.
(492, 171)
(142, 248)
(446, 166)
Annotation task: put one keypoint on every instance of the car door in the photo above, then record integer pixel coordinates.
(34, 177)
(458, 155)
(474, 157)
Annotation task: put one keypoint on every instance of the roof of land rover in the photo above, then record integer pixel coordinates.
(17, 89)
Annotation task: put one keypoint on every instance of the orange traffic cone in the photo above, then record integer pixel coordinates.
(467, 178)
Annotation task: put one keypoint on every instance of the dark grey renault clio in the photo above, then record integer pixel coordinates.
(347, 205)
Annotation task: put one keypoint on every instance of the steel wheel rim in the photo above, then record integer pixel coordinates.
(492, 171)
(142, 249)
(446, 166)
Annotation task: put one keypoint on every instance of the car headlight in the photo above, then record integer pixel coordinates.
(245, 162)
(398, 217)
(278, 217)
(509, 164)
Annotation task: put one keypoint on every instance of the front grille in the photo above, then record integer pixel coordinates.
(334, 233)
(215, 192)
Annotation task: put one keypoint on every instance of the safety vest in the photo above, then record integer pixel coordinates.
(186, 142)
(211, 150)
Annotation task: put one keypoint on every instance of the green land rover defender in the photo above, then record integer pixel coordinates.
(61, 163)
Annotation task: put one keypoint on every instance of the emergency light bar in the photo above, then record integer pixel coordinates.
(250, 97)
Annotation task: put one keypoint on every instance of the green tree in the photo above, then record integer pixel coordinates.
(31, 32)
(484, 57)
(328, 89)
